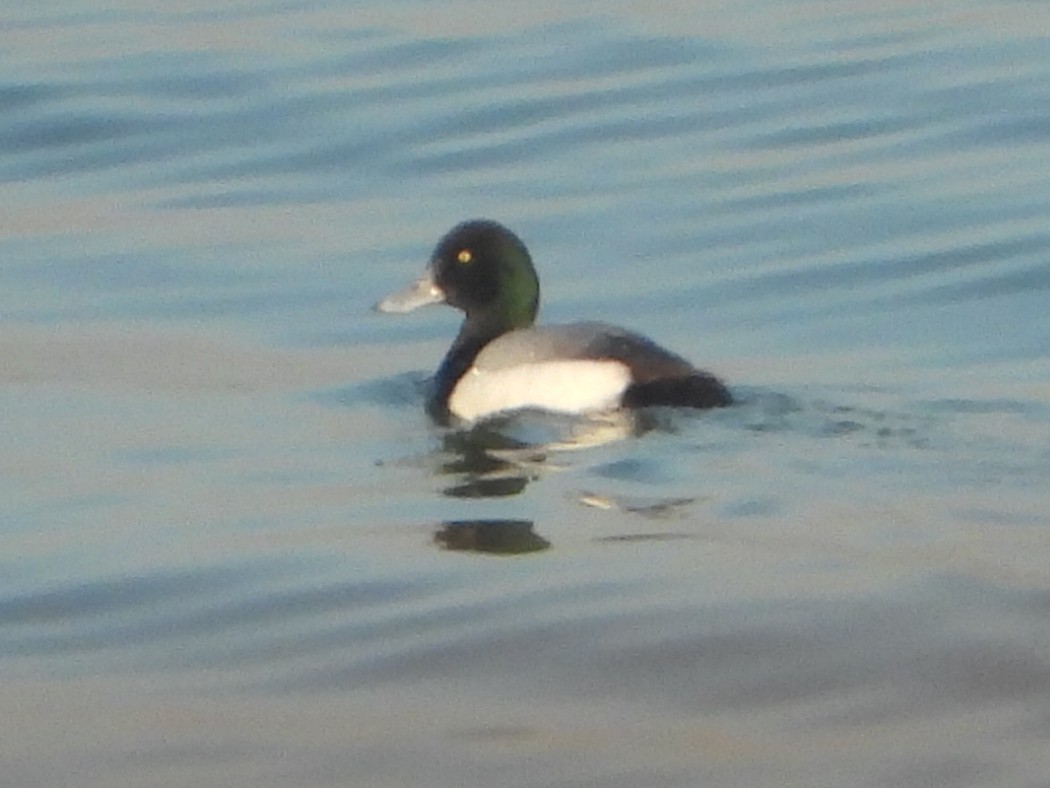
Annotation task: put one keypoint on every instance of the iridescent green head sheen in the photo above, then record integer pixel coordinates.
(485, 270)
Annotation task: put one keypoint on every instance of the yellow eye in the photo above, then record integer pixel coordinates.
(464, 256)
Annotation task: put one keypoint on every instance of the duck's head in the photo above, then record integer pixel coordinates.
(482, 268)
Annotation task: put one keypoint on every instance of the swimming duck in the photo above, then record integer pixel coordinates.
(501, 362)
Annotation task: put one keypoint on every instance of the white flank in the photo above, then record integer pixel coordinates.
(559, 386)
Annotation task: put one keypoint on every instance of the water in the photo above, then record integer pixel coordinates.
(234, 550)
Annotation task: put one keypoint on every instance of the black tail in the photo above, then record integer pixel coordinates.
(698, 390)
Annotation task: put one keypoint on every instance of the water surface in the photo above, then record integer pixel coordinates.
(235, 551)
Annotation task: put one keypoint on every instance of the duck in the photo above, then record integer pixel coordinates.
(501, 361)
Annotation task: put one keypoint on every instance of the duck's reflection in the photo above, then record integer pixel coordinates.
(487, 463)
(500, 457)
(495, 537)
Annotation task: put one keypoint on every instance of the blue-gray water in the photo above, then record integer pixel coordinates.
(234, 550)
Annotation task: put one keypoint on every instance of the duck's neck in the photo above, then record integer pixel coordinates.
(516, 308)
(472, 338)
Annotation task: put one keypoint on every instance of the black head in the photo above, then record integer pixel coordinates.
(485, 270)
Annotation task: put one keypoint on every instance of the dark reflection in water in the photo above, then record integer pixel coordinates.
(499, 457)
(494, 537)
(488, 488)
(488, 463)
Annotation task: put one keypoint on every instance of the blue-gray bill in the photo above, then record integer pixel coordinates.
(422, 292)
